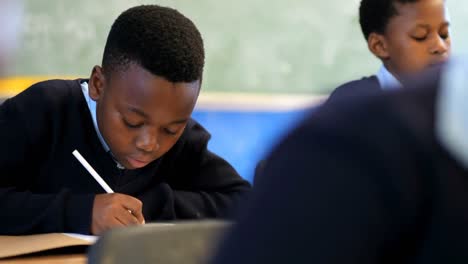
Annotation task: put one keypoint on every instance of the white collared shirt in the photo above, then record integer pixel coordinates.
(386, 79)
(92, 109)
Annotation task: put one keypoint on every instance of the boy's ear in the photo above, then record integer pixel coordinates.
(378, 45)
(96, 83)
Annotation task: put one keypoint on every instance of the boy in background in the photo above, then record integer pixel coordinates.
(406, 35)
(131, 121)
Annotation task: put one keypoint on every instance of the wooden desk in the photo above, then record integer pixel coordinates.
(55, 259)
(53, 248)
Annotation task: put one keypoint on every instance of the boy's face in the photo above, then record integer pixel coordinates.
(417, 37)
(140, 115)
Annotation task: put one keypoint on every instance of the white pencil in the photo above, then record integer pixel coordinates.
(92, 171)
(95, 175)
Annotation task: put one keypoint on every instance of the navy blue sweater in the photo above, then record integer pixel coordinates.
(365, 86)
(43, 188)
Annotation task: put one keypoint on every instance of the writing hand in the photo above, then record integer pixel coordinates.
(112, 210)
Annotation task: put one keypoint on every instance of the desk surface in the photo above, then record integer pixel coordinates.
(56, 259)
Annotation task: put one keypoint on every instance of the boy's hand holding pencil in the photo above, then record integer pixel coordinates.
(115, 210)
(111, 209)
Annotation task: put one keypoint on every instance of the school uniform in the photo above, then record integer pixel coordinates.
(375, 84)
(43, 187)
(368, 180)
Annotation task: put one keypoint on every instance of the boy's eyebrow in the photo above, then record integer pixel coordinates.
(180, 121)
(139, 112)
(427, 26)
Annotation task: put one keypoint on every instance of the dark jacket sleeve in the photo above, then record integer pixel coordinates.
(198, 183)
(23, 140)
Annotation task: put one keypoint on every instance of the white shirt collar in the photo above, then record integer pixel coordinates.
(451, 110)
(92, 109)
(386, 79)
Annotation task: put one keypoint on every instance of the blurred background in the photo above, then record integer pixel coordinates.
(267, 61)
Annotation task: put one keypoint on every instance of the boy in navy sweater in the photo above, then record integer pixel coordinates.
(406, 35)
(131, 122)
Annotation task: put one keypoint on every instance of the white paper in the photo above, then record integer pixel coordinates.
(88, 238)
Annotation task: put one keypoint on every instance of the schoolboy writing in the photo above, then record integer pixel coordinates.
(408, 36)
(131, 121)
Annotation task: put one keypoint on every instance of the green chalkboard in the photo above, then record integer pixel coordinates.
(266, 46)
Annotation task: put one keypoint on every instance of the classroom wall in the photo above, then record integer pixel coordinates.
(266, 46)
(245, 137)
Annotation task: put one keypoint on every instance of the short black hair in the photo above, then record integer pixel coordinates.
(160, 39)
(375, 14)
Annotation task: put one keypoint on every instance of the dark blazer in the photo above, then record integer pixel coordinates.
(365, 86)
(362, 181)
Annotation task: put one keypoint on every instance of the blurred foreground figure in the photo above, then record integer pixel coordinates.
(381, 179)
